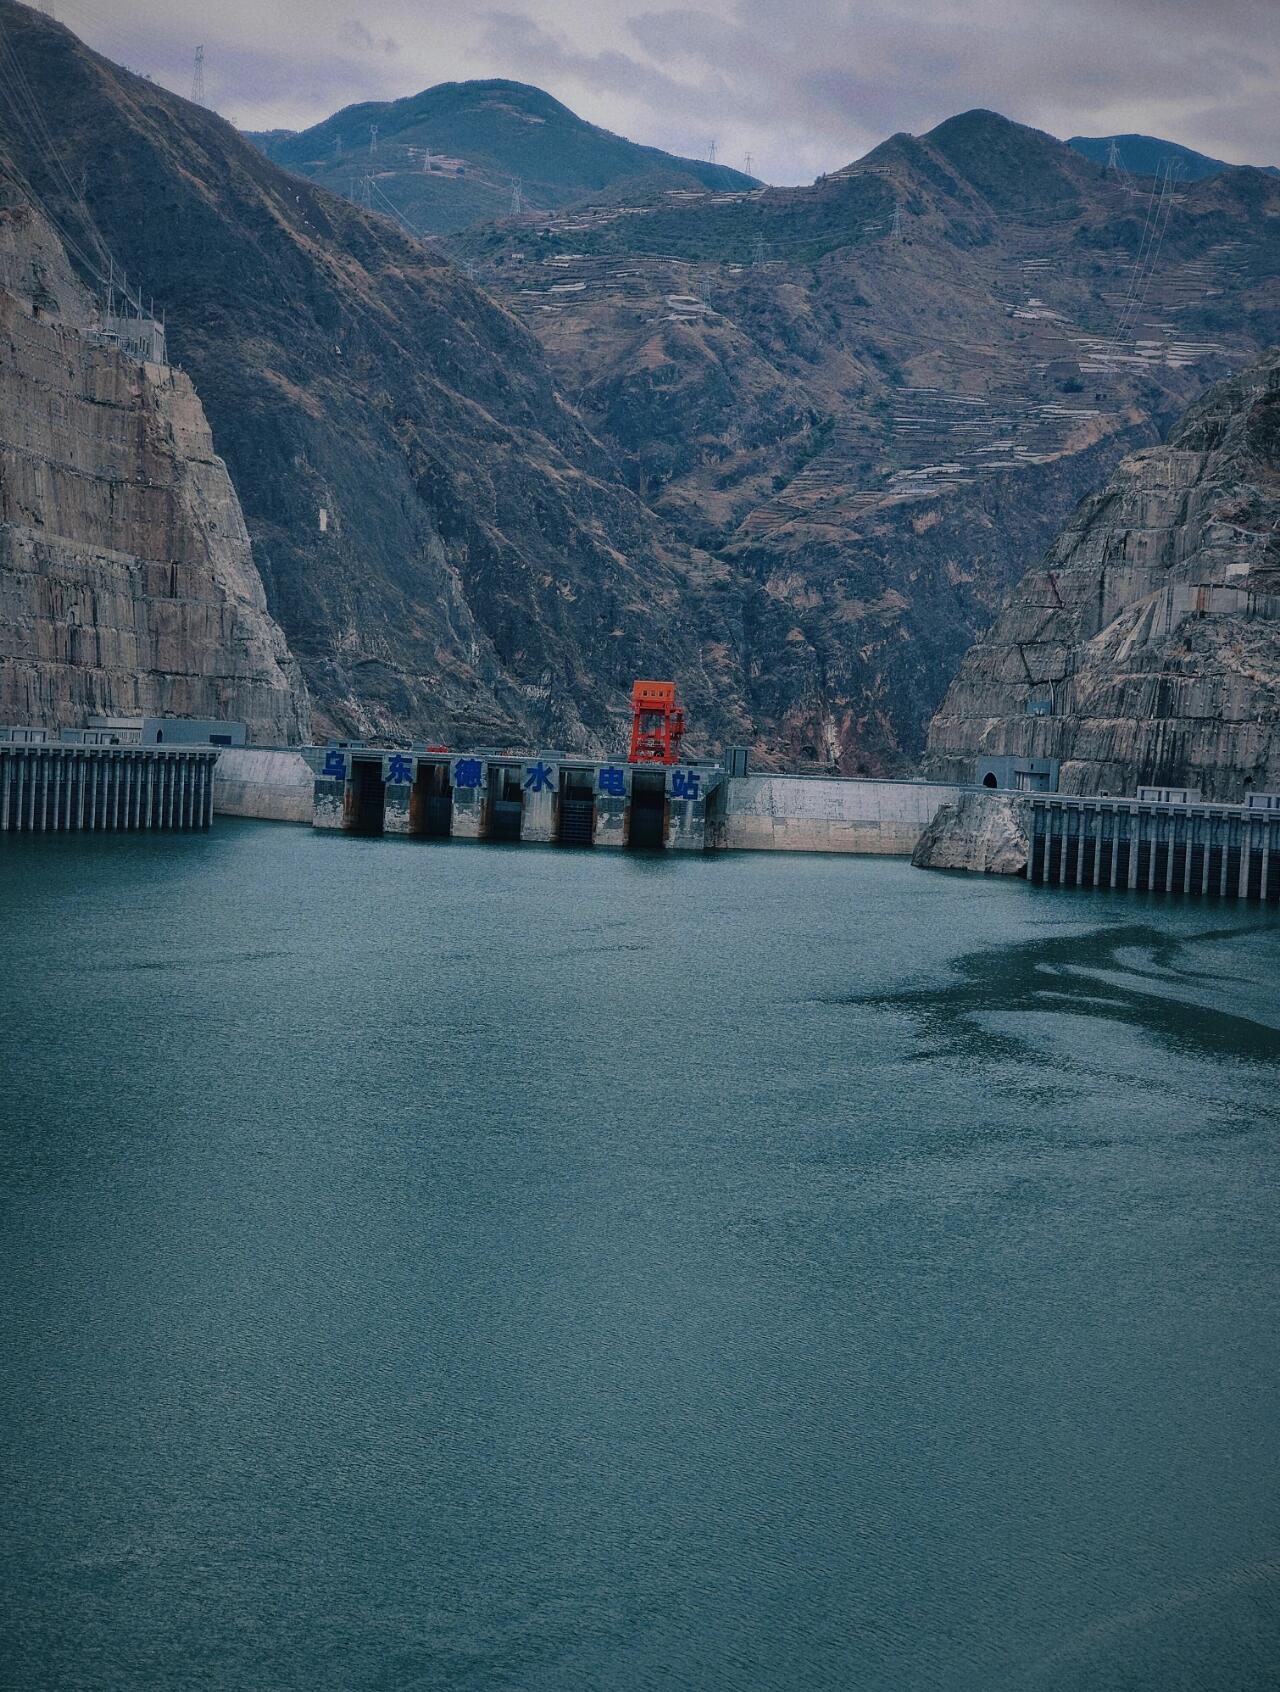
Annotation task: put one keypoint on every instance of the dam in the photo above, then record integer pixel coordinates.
(1164, 840)
(552, 798)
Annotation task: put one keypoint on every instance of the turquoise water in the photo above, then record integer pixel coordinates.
(450, 1267)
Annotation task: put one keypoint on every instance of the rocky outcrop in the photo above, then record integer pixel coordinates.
(127, 582)
(985, 832)
(1145, 649)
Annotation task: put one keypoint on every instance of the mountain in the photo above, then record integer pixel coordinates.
(792, 446)
(267, 139)
(452, 155)
(127, 584)
(449, 551)
(1145, 648)
(1145, 155)
(876, 398)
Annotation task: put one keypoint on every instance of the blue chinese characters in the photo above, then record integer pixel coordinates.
(399, 770)
(538, 778)
(335, 766)
(613, 781)
(685, 785)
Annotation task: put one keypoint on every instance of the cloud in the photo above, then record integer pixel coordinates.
(355, 34)
(804, 86)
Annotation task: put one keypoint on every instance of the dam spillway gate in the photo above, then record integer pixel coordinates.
(1209, 850)
(548, 797)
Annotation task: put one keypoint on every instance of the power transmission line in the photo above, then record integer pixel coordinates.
(16, 92)
(197, 77)
(1144, 267)
(1115, 164)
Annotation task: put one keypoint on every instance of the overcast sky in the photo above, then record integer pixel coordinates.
(801, 85)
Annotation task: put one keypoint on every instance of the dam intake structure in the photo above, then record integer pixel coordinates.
(1161, 842)
(67, 788)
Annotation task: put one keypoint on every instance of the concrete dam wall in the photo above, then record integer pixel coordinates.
(782, 813)
(274, 783)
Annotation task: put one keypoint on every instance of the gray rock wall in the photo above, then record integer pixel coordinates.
(1146, 647)
(984, 832)
(127, 582)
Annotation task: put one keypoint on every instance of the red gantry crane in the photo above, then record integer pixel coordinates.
(657, 723)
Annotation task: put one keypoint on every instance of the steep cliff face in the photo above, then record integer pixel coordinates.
(127, 582)
(1146, 647)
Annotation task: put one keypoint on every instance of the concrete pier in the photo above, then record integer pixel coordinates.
(55, 788)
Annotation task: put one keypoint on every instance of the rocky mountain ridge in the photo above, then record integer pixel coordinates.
(791, 446)
(459, 153)
(1144, 155)
(1145, 649)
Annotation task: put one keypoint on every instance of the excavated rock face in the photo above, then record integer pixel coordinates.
(1146, 647)
(127, 583)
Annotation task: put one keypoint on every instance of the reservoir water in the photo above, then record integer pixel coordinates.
(468, 1268)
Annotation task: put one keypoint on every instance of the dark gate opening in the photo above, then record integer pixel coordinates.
(576, 821)
(648, 816)
(431, 803)
(506, 803)
(368, 796)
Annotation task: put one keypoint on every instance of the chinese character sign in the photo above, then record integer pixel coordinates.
(468, 772)
(539, 779)
(335, 766)
(685, 784)
(613, 781)
(399, 770)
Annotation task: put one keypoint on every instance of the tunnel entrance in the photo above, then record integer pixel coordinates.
(368, 796)
(431, 803)
(648, 824)
(506, 802)
(576, 822)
